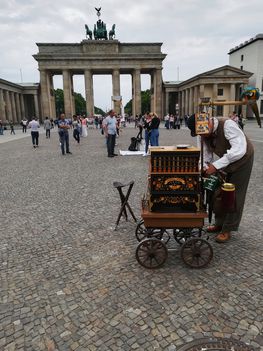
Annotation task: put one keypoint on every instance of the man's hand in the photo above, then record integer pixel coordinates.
(210, 170)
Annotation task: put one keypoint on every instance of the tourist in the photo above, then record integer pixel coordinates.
(47, 127)
(147, 133)
(166, 121)
(12, 130)
(234, 117)
(63, 127)
(110, 131)
(1, 128)
(84, 128)
(235, 151)
(34, 125)
(171, 121)
(24, 123)
(154, 137)
(76, 128)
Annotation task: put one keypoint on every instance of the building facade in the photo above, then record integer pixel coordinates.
(18, 101)
(221, 84)
(249, 56)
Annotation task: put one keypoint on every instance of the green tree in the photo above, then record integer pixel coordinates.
(145, 103)
(80, 103)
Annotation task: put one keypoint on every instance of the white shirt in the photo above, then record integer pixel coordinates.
(34, 125)
(238, 143)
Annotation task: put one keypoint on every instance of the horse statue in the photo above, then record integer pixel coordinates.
(88, 32)
(100, 31)
(112, 32)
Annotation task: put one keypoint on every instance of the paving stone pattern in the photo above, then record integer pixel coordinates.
(70, 282)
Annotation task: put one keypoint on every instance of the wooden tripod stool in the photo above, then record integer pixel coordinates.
(124, 201)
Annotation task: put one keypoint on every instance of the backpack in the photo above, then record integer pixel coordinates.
(134, 146)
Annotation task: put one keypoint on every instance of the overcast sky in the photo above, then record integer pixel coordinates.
(196, 34)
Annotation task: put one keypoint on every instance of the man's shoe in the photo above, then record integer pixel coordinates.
(115, 155)
(223, 237)
(68, 152)
(213, 229)
(110, 155)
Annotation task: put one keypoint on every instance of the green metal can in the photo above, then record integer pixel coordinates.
(211, 183)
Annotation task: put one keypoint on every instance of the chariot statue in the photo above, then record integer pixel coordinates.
(100, 30)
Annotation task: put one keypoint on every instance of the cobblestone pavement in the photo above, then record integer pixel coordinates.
(70, 282)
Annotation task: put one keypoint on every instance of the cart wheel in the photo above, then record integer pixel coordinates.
(196, 252)
(151, 253)
(142, 233)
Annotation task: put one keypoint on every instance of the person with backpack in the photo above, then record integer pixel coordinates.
(147, 133)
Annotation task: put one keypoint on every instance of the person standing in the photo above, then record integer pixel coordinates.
(12, 130)
(47, 127)
(236, 153)
(154, 137)
(24, 123)
(110, 131)
(76, 128)
(1, 128)
(84, 128)
(147, 133)
(34, 125)
(63, 127)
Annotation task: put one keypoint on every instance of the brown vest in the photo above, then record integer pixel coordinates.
(219, 145)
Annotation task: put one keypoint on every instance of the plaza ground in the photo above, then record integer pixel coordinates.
(70, 282)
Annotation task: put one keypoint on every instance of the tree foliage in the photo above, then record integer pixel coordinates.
(145, 103)
(80, 104)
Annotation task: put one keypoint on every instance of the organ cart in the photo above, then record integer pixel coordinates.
(173, 207)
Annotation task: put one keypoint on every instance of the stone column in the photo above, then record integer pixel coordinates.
(180, 103)
(166, 103)
(22, 104)
(158, 92)
(67, 93)
(89, 92)
(45, 94)
(18, 107)
(9, 114)
(13, 106)
(72, 100)
(137, 92)
(183, 103)
(187, 101)
(37, 108)
(52, 96)
(196, 107)
(191, 110)
(214, 97)
(2, 106)
(116, 90)
(152, 91)
(232, 98)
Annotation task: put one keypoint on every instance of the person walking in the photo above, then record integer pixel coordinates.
(34, 125)
(12, 130)
(47, 127)
(76, 128)
(24, 123)
(236, 153)
(110, 131)
(1, 128)
(63, 127)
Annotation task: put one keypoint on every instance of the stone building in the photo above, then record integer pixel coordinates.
(223, 83)
(91, 57)
(249, 56)
(18, 101)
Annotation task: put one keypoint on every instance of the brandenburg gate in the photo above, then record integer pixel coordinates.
(91, 57)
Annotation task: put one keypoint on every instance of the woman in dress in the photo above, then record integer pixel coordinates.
(84, 129)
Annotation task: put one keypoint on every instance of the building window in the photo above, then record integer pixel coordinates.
(241, 67)
(261, 107)
(242, 57)
(219, 110)
(220, 92)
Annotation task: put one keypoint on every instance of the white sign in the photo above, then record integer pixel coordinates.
(116, 98)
